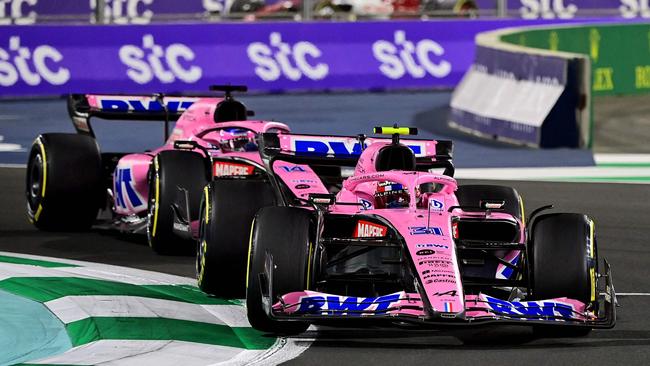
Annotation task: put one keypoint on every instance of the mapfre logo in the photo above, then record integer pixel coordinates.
(31, 65)
(278, 58)
(417, 59)
(166, 64)
(366, 229)
(18, 12)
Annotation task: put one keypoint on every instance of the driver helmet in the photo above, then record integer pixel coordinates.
(391, 195)
(237, 139)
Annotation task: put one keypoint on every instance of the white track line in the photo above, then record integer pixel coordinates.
(13, 166)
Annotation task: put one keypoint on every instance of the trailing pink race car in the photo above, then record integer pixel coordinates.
(70, 180)
(400, 244)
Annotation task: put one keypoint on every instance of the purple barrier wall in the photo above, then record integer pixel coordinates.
(47, 60)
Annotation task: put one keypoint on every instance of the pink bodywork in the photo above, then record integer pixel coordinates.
(196, 124)
(427, 231)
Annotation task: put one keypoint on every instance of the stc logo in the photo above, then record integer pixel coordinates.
(402, 56)
(125, 11)
(547, 9)
(278, 59)
(31, 66)
(139, 11)
(12, 10)
(164, 63)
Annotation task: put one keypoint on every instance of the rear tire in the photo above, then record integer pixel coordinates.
(227, 210)
(563, 260)
(285, 233)
(64, 182)
(170, 170)
(473, 194)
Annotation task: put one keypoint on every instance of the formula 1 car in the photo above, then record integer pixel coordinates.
(399, 244)
(221, 251)
(69, 180)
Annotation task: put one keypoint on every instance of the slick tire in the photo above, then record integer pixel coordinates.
(563, 263)
(284, 232)
(64, 182)
(473, 194)
(171, 170)
(227, 210)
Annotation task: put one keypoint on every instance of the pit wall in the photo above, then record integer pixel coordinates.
(535, 86)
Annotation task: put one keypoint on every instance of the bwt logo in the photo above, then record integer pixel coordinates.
(125, 11)
(279, 58)
(12, 10)
(165, 64)
(417, 59)
(31, 66)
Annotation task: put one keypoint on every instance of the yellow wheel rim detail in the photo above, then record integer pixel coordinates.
(42, 148)
(250, 249)
(204, 249)
(206, 195)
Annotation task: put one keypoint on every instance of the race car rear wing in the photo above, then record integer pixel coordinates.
(346, 150)
(157, 107)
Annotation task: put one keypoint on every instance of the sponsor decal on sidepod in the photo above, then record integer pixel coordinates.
(222, 169)
(366, 229)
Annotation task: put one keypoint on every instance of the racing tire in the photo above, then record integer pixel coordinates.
(64, 182)
(563, 262)
(227, 210)
(472, 194)
(171, 170)
(285, 233)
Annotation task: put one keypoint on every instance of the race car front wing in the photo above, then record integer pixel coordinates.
(406, 307)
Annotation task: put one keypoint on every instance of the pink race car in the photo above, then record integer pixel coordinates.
(69, 180)
(400, 244)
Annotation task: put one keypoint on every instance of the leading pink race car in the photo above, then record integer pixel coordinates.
(399, 244)
(70, 180)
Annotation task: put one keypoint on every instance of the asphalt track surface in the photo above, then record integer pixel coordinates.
(620, 211)
(621, 215)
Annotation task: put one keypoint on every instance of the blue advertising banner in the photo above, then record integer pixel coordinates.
(318, 56)
(521, 66)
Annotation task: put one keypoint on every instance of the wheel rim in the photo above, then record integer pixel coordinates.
(35, 181)
(150, 216)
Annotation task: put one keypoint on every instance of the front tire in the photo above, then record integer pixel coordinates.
(227, 210)
(171, 170)
(564, 262)
(285, 233)
(63, 182)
